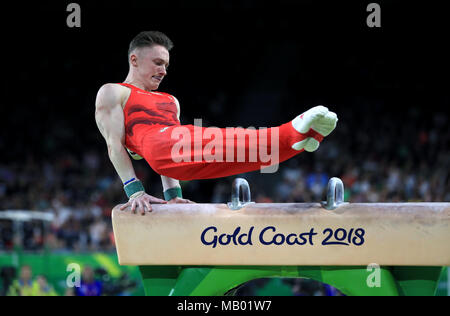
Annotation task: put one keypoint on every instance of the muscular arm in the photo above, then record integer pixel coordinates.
(110, 122)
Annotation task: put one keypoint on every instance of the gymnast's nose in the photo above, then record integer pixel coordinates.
(162, 70)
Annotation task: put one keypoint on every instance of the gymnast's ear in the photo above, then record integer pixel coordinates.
(132, 59)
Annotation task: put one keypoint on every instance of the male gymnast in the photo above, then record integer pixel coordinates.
(132, 116)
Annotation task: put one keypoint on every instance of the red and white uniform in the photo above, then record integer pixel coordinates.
(150, 120)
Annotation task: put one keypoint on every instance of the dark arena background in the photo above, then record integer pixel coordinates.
(234, 63)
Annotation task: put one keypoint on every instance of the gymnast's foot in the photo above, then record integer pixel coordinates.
(318, 120)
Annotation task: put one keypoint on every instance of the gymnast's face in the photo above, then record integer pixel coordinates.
(150, 65)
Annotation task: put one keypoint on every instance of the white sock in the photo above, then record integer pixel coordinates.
(320, 119)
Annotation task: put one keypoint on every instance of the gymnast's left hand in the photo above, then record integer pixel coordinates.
(180, 200)
(142, 203)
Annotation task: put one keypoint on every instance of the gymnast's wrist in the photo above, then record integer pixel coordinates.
(172, 193)
(133, 188)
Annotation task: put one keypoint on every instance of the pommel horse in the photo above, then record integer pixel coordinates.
(359, 248)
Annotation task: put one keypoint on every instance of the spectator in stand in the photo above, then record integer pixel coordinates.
(43, 288)
(89, 285)
(24, 285)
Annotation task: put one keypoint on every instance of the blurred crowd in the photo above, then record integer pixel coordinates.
(387, 160)
(91, 282)
(25, 284)
(97, 282)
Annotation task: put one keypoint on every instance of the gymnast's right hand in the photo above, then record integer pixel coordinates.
(142, 203)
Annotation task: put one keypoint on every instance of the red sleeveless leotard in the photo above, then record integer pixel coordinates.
(145, 111)
(154, 132)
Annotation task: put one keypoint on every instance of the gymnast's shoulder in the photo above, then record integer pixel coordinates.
(112, 93)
